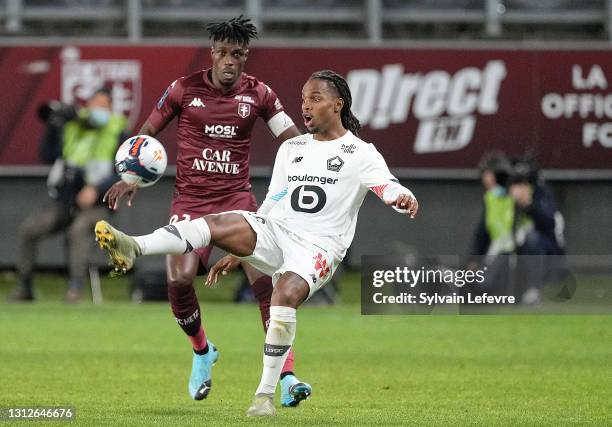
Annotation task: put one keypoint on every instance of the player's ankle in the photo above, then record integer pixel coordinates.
(284, 374)
(202, 351)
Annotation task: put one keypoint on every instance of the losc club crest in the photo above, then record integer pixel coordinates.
(334, 164)
(244, 109)
(81, 78)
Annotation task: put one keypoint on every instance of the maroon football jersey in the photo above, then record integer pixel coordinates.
(214, 130)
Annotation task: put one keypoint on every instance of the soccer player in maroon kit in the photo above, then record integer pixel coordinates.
(216, 110)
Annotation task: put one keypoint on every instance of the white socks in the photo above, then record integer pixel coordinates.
(279, 339)
(178, 238)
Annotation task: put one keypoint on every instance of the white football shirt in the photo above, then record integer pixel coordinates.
(317, 187)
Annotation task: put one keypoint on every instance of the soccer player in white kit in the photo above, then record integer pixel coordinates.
(301, 232)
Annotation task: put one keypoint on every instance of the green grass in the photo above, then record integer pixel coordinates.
(125, 364)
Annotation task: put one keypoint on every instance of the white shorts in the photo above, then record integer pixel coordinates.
(279, 250)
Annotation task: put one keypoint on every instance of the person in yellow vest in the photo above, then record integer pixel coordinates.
(519, 217)
(82, 150)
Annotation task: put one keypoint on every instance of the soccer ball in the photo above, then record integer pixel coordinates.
(141, 160)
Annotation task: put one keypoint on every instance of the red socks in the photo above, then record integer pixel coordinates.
(186, 309)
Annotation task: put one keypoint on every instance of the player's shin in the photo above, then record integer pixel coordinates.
(279, 339)
(262, 290)
(186, 310)
(179, 238)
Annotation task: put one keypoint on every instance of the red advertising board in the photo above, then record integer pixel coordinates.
(423, 108)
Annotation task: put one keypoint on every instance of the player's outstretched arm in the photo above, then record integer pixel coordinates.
(375, 176)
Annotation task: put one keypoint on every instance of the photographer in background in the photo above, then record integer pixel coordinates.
(81, 145)
(538, 229)
(519, 217)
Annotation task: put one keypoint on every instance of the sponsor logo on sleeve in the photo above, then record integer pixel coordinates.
(161, 101)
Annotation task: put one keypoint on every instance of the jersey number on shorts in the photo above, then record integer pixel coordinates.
(174, 218)
(308, 198)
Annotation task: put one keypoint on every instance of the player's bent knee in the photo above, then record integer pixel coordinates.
(180, 281)
(290, 290)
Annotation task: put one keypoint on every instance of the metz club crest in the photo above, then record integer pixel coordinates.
(244, 109)
(81, 78)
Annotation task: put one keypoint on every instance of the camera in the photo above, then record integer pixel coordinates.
(497, 163)
(56, 113)
(524, 170)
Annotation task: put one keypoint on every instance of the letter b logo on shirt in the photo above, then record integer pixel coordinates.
(308, 198)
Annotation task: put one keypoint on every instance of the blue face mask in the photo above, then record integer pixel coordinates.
(99, 117)
(499, 191)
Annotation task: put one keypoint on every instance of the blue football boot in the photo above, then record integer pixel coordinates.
(293, 391)
(200, 381)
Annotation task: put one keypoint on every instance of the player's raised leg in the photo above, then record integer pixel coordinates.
(228, 231)
(293, 391)
(290, 291)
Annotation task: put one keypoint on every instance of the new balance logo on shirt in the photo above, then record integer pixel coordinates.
(196, 102)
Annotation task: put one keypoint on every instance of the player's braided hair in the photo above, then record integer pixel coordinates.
(236, 30)
(349, 121)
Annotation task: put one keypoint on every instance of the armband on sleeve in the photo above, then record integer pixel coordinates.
(279, 123)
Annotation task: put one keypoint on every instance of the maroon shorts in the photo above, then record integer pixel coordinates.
(191, 207)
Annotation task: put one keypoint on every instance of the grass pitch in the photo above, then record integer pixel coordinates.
(125, 364)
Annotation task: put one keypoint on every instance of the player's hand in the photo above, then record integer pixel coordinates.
(119, 190)
(223, 266)
(405, 202)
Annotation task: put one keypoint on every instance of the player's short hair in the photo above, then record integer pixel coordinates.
(337, 82)
(237, 30)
